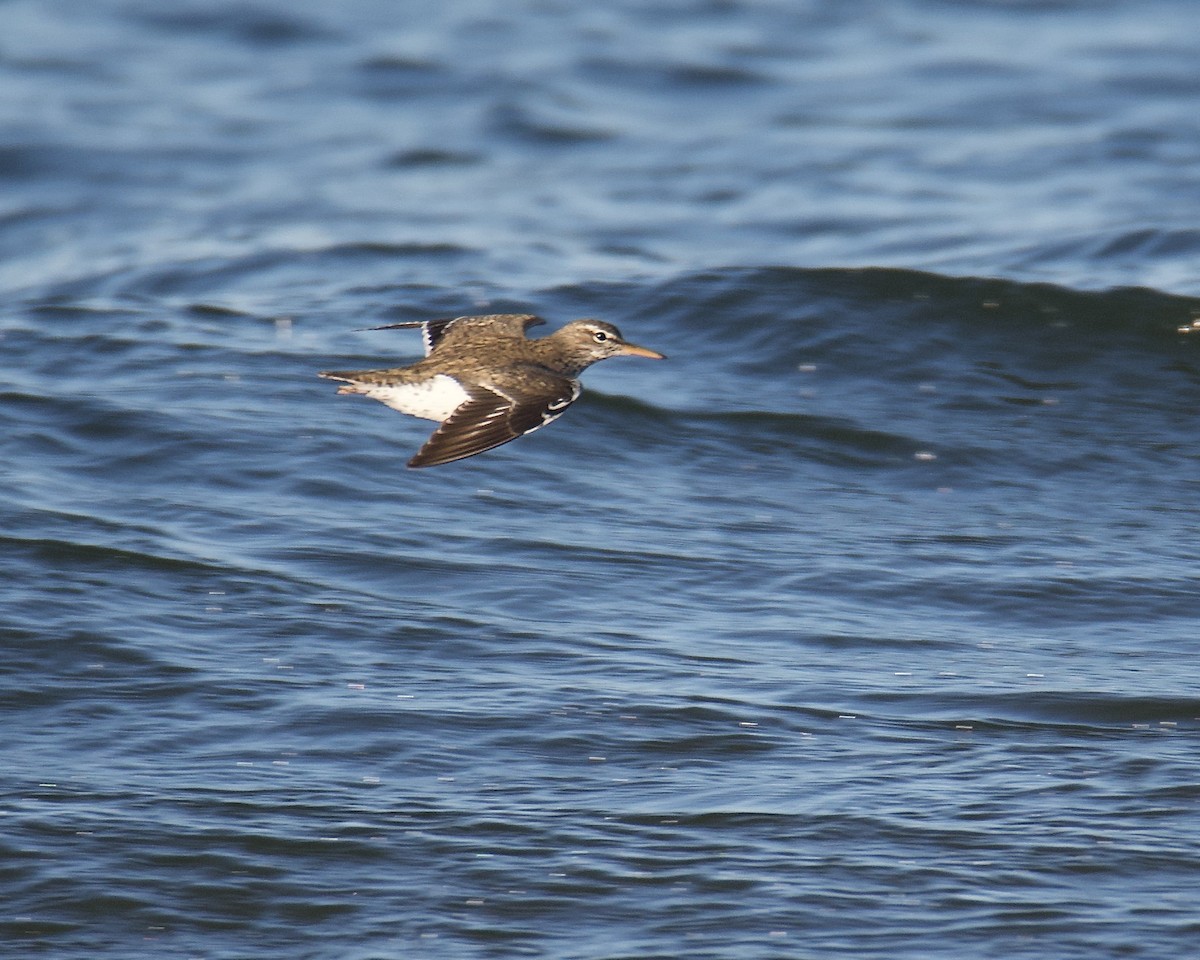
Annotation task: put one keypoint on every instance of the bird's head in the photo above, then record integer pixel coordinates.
(593, 340)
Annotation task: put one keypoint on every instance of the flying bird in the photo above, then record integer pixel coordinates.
(485, 382)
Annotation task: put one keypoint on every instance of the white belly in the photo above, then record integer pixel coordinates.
(435, 399)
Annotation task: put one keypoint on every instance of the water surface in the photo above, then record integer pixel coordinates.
(863, 627)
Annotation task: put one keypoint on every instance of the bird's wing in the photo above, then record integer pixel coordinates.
(497, 414)
(466, 329)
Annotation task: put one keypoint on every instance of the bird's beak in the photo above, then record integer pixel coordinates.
(633, 350)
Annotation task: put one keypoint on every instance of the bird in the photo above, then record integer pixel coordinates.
(485, 382)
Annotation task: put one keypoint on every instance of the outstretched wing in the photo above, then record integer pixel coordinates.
(497, 414)
(465, 329)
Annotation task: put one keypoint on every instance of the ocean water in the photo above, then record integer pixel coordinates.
(865, 626)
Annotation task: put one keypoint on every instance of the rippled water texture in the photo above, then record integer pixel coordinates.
(528, 144)
(863, 627)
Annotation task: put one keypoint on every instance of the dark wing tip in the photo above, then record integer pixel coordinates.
(432, 331)
(425, 459)
(406, 325)
(440, 448)
(458, 443)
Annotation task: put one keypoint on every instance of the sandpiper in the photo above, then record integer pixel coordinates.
(485, 382)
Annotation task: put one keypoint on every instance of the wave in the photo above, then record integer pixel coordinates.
(851, 368)
(757, 311)
(1056, 707)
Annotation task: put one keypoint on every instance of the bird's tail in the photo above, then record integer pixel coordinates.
(349, 385)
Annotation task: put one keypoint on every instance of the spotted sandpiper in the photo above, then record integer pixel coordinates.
(485, 382)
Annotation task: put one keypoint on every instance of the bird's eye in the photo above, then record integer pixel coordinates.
(599, 336)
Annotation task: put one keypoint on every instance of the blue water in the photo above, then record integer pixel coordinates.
(864, 627)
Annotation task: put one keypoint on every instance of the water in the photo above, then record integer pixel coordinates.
(865, 626)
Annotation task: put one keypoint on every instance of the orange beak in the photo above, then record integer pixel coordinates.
(633, 350)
